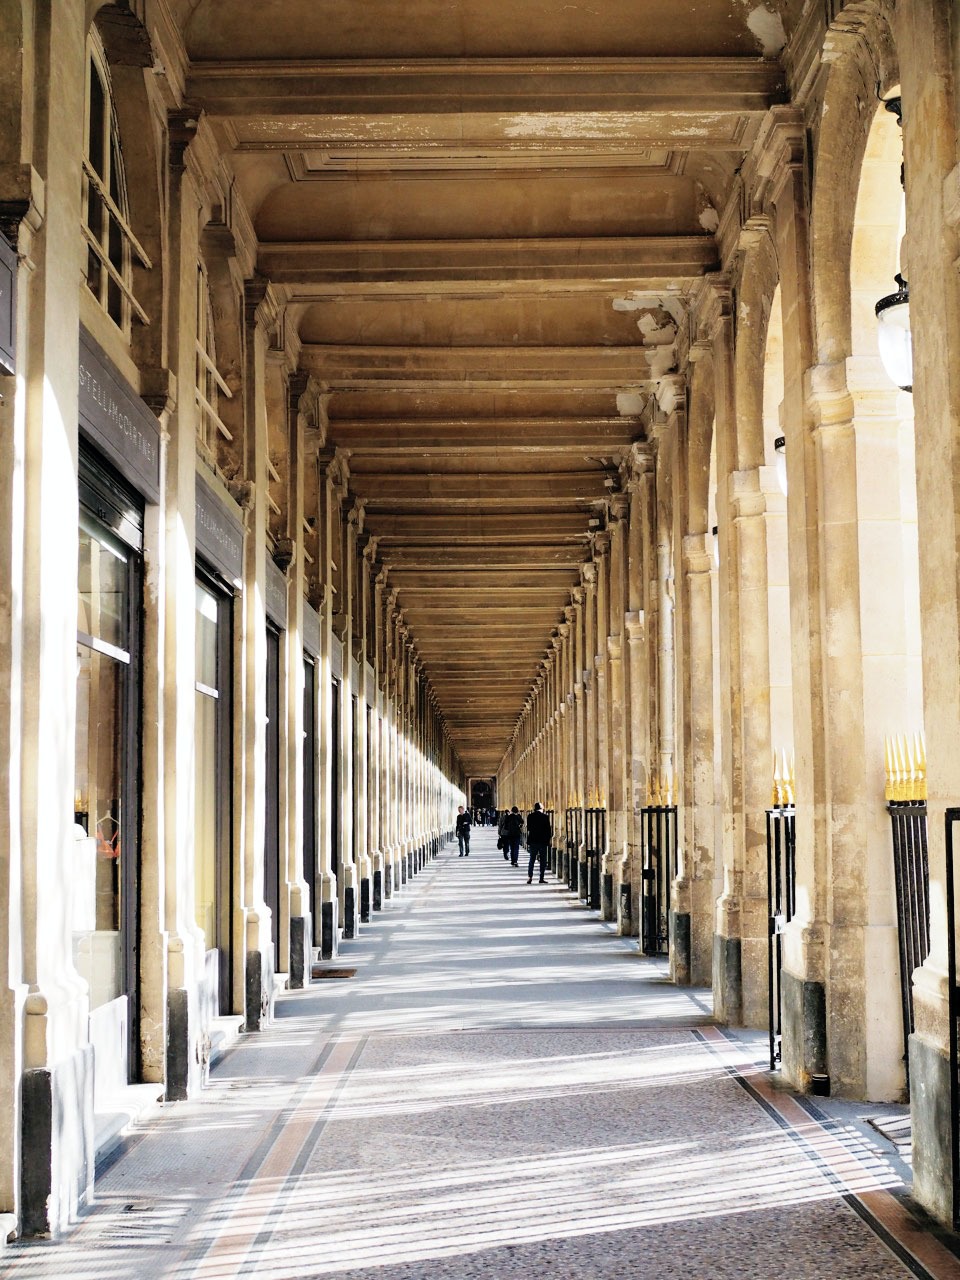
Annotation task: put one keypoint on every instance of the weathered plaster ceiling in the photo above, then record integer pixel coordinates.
(486, 220)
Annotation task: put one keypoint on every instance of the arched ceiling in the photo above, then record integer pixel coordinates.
(486, 220)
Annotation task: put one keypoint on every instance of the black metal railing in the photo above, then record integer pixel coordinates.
(658, 837)
(551, 814)
(781, 905)
(596, 844)
(952, 817)
(908, 819)
(574, 838)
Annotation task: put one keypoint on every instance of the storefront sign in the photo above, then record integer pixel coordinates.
(311, 630)
(276, 593)
(219, 534)
(117, 421)
(8, 308)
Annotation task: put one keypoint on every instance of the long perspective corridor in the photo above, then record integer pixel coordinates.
(547, 414)
(475, 1102)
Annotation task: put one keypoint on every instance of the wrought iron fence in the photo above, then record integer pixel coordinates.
(658, 834)
(596, 842)
(574, 830)
(908, 819)
(781, 905)
(551, 847)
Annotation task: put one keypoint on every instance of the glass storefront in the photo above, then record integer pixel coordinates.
(106, 799)
(212, 755)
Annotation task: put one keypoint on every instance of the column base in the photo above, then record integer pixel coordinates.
(328, 929)
(177, 1052)
(258, 974)
(299, 960)
(349, 912)
(608, 910)
(57, 1143)
(804, 1020)
(378, 890)
(388, 879)
(930, 1113)
(680, 948)
(727, 980)
(625, 925)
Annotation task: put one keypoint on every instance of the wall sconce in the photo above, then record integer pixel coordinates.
(894, 337)
(780, 461)
(893, 312)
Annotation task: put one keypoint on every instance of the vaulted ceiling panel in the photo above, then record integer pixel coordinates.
(485, 221)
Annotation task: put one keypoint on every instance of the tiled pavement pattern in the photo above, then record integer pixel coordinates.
(505, 1090)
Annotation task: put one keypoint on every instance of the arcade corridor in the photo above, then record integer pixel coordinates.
(504, 1090)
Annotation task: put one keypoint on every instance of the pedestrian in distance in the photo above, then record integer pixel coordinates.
(463, 831)
(539, 835)
(512, 831)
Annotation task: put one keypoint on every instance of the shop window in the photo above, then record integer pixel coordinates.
(212, 769)
(112, 247)
(106, 810)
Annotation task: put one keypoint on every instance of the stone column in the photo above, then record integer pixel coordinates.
(330, 480)
(56, 1085)
(929, 88)
(292, 551)
(640, 488)
(260, 317)
(173, 1037)
(727, 957)
(803, 981)
(618, 720)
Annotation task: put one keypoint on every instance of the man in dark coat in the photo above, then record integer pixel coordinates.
(512, 830)
(539, 835)
(463, 831)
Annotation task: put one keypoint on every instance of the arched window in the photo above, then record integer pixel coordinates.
(111, 245)
(210, 385)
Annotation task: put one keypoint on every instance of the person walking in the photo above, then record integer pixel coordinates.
(539, 835)
(463, 831)
(512, 831)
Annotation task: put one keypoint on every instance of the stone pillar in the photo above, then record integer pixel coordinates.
(260, 316)
(803, 980)
(727, 958)
(329, 481)
(640, 488)
(172, 946)
(618, 721)
(930, 122)
(56, 1086)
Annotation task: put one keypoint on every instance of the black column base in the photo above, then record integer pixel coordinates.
(57, 1147)
(254, 999)
(403, 869)
(177, 1050)
(328, 931)
(296, 971)
(378, 891)
(365, 900)
(607, 911)
(727, 980)
(388, 880)
(930, 1110)
(680, 952)
(349, 913)
(804, 1021)
(583, 869)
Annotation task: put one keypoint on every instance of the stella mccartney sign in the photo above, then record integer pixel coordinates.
(117, 421)
(219, 534)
